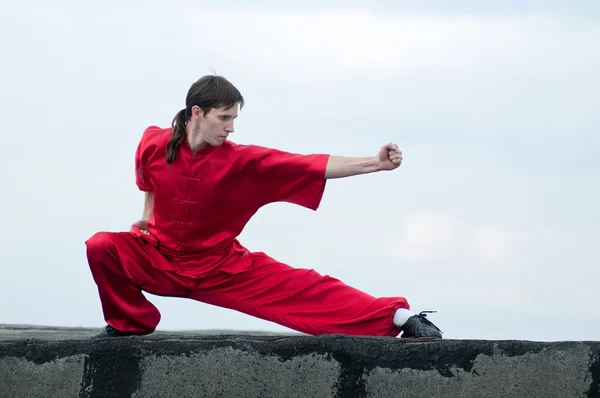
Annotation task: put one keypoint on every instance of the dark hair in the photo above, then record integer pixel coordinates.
(207, 93)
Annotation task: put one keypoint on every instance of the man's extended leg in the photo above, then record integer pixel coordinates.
(121, 269)
(300, 299)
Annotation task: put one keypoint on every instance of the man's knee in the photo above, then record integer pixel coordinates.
(98, 245)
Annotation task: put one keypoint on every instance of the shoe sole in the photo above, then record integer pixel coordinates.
(104, 335)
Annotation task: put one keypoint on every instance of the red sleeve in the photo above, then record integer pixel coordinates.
(141, 161)
(279, 176)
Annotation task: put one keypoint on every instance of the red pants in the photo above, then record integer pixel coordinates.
(300, 299)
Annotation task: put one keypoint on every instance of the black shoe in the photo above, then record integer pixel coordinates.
(419, 327)
(109, 331)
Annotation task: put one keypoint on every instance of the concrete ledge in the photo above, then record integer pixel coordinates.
(37, 362)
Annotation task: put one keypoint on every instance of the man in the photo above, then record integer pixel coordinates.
(200, 191)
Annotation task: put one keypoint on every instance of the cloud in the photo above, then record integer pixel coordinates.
(333, 44)
(437, 236)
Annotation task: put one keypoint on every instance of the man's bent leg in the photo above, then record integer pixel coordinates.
(301, 299)
(121, 269)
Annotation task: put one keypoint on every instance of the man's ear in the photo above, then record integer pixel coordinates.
(197, 112)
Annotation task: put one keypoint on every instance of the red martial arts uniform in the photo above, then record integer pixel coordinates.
(202, 202)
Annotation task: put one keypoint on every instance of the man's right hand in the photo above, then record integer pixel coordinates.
(142, 225)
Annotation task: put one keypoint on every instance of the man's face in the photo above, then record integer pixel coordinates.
(218, 124)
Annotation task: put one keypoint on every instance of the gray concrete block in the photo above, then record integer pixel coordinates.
(58, 378)
(228, 372)
(546, 374)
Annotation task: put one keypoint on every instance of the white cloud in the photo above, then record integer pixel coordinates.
(446, 236)
(336, 43)
(491, 245)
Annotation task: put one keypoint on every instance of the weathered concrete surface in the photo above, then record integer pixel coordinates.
(51, 362)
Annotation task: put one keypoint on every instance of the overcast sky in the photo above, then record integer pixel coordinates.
(492, 220)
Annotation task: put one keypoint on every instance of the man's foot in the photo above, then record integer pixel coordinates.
(109, 331)
(419, 327)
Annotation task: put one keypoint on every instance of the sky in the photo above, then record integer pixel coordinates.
(492, 219)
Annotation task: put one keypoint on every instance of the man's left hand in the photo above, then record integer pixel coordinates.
(390, 157)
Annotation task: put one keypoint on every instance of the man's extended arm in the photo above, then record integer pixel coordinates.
(340, 166)
(388, 158)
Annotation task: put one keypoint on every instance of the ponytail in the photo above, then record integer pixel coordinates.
(179, 122)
